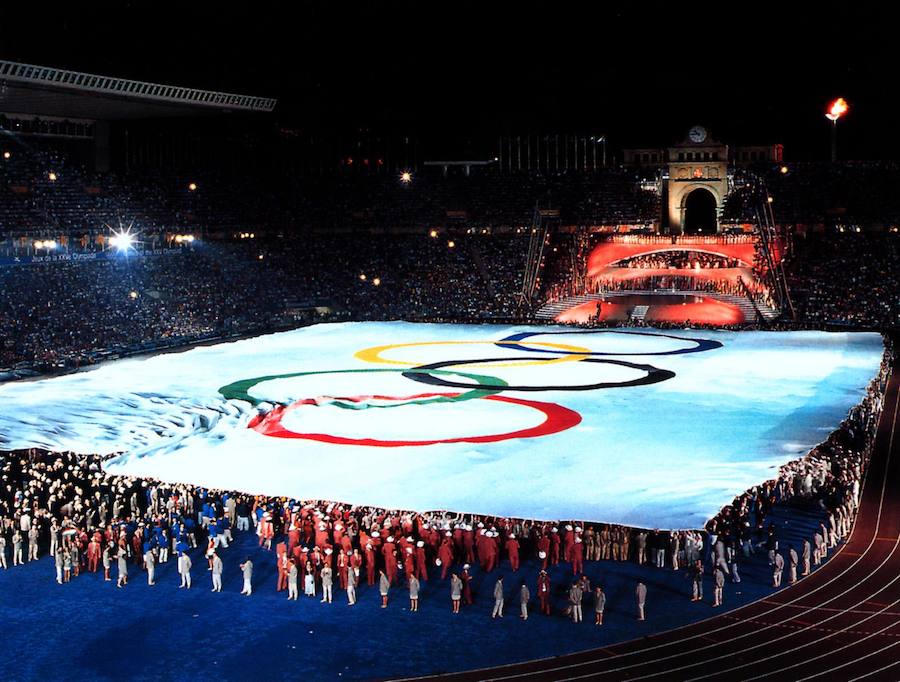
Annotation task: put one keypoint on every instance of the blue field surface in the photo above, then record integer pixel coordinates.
(98, 632)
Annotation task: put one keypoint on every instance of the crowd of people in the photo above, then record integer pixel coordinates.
(729, 287)
(64, 507)
(809, 193)
(847, 278)
(63, 314)
(678, 260)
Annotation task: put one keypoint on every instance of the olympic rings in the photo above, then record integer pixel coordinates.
(653, 376)
(571, 354)
(557, 419)
(240, 390)
(701, 346)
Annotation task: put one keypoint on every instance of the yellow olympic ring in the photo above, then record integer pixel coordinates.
(373, 354)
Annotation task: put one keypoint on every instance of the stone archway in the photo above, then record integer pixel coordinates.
(699, 211)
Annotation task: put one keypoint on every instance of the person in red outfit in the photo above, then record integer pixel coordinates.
(492, 549)
(577, 556)
(93, 553)
(568, 542)
(554, 545)
(282, 563)
(343, 565)
(543, 592)
(356, 562)
(543, 546)
(469, 544)
(370, 564)
(421, 561)
(388, 550)
(467, 585)
(512, 549)
(409, 563)
(445, 554)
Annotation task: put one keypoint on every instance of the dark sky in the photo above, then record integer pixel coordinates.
(641, 72)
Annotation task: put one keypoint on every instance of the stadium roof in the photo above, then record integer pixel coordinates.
(46, 91)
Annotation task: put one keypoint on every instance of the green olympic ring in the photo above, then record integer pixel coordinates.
(240, 390)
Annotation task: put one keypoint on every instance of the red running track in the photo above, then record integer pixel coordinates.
(840, 623)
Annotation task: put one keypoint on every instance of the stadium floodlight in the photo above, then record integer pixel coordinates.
(376, 281)
(192, 187)
(51, 176)
(838, 108)
(451, 244)
(122, 241)
(406, 177)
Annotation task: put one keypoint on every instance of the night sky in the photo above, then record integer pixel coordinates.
(641, 72)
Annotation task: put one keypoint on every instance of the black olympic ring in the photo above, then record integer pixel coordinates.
(654, 376)
(702, 344)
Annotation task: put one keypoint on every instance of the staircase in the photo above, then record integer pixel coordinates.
(639, 313)
(549, 311)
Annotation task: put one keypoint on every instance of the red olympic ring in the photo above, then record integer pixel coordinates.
(557, 419)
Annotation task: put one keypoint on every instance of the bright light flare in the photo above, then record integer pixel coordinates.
(838, 108)
(406, 177)
(123, 241)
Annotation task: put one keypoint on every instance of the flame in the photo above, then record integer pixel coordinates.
(838, 108)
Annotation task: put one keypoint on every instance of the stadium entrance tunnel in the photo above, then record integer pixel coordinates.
(699, 212)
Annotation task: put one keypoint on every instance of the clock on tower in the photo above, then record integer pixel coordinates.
(697, 134)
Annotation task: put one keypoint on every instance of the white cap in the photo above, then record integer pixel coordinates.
(420, 543)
